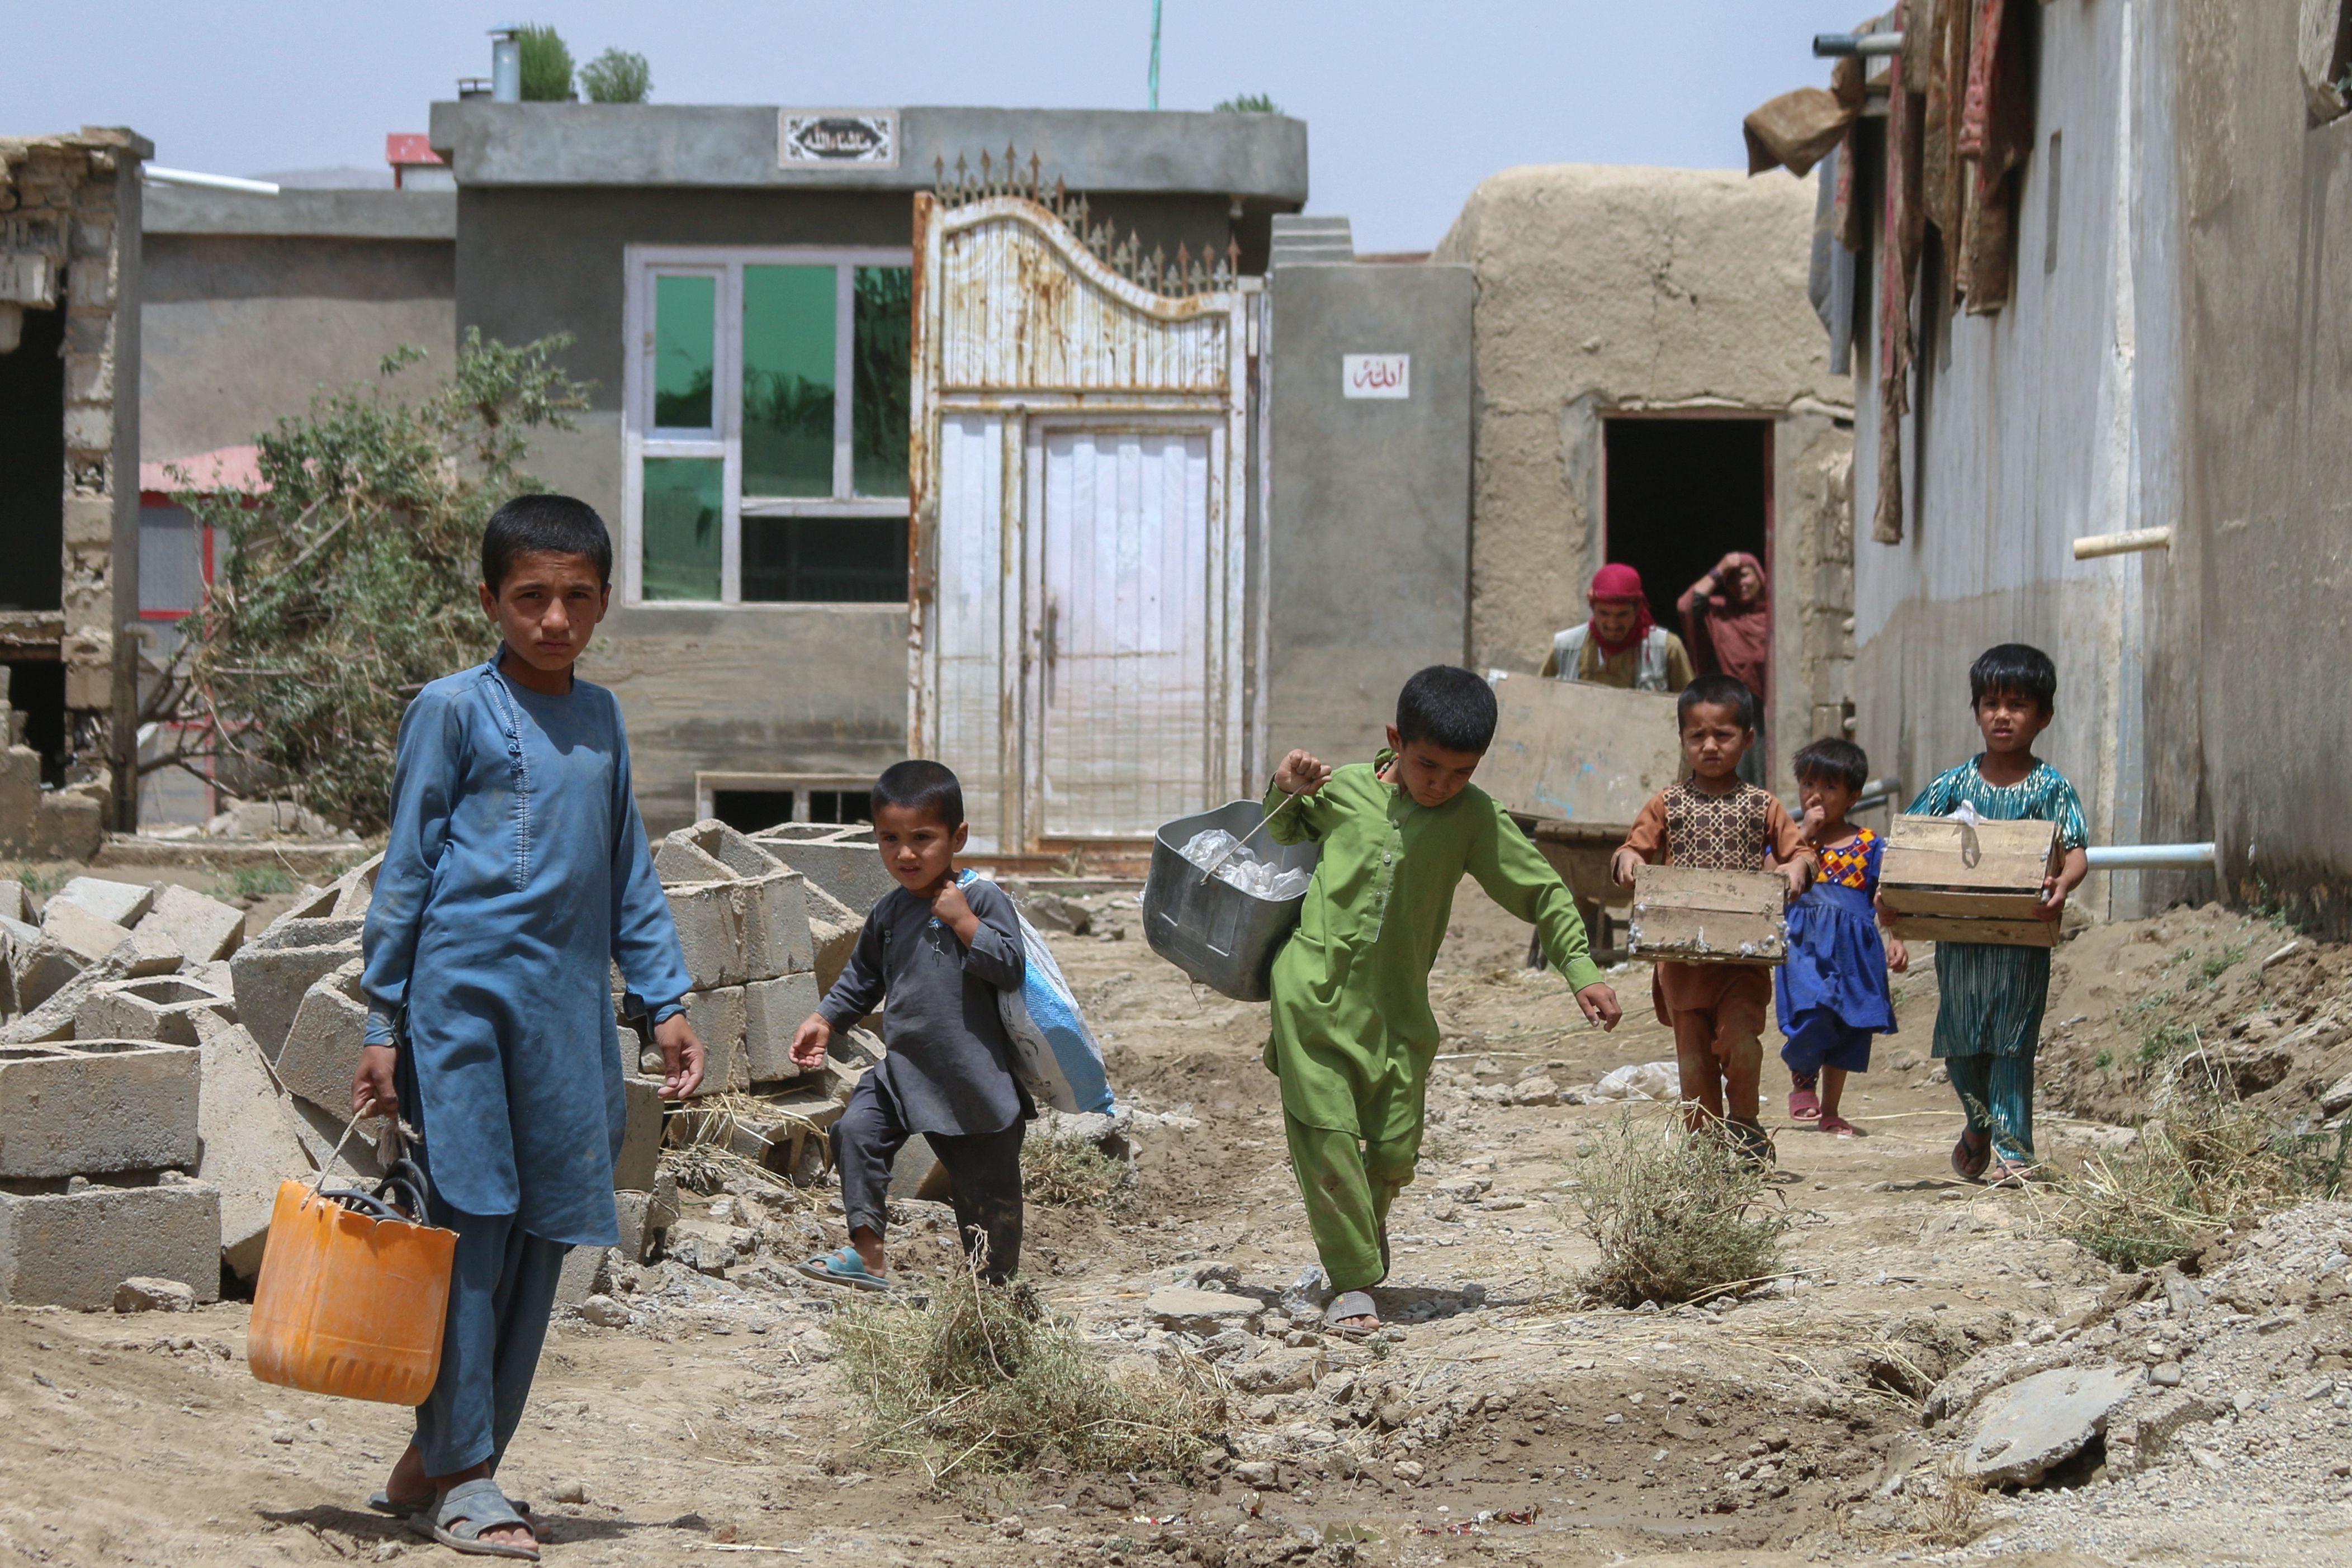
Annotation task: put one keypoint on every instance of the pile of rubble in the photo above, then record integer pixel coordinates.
(160, 1074)
(2226, 1375)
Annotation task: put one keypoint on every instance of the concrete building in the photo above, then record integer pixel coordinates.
(1652, 388)
(2174, 354)
(69, 259)
(738, 285)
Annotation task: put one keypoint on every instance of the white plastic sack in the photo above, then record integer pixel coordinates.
(1639, 1080)
(1242, 868)
(1053, 1052)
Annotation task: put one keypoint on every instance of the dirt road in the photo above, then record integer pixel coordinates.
(1507, 1420)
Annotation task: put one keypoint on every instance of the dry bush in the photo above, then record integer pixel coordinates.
(981, 1382)
(2206, 1161)
(1951, 1515)
(1070, 1172)
(1677, 1216)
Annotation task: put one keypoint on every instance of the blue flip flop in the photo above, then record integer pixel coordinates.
(843, 1266)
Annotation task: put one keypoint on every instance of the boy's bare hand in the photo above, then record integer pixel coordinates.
(1898, 954)
(682, 1057)
(951, 909)
(1301, 774)
(1624, 865)
(371, 1084)
(810, 1043)
(1600, 1004)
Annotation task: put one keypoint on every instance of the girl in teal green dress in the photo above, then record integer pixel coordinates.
(1988, 1023)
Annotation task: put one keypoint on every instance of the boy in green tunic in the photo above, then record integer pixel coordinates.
(1353, 1036)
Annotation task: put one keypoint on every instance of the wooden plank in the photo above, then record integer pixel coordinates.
(1948, 852)
(1571, 752)
(1962, 904)
(1700, 916)
(1995, 933)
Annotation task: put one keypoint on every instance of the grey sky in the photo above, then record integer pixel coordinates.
(1408, 104)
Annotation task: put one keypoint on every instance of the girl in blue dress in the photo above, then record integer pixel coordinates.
(1832, 993)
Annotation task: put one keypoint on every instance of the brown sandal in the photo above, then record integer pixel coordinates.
(1970, 1159)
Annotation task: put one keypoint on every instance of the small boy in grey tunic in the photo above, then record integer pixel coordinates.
(940, 951)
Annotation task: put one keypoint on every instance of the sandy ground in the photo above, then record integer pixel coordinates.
(714, 1426)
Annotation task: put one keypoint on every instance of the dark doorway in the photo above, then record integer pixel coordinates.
(1682, 493)
(36, 688)
(33, 465)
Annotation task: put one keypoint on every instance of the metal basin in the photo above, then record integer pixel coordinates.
(1221, 937)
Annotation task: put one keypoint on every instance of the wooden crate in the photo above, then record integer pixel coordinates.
(1574, 753)
(1695, 916)
(1947, 880)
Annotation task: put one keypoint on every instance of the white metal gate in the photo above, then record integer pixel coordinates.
(1078, 474)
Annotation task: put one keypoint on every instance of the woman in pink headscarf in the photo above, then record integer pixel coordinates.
(1619, 645)
(1727, 617)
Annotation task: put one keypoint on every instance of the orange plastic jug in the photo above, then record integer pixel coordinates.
(348, 1303)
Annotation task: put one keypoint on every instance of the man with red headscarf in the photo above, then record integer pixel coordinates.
(1619, 645)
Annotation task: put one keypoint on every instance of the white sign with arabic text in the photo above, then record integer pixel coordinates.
(1375, 375)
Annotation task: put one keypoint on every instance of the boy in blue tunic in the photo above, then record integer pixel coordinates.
(516, 874)
(1833, 993)
(1989, 1018)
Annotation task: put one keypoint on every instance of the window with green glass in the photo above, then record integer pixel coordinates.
(882, 312)
(685, 524)
(686, 323)
(771, 413)
(788, 372)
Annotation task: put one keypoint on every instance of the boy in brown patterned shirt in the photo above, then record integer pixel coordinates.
(1715, 821)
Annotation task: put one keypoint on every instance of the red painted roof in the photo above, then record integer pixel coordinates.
(408, 147)
(223, 468)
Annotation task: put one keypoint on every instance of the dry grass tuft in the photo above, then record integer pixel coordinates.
(2208, 1160)
(706, 1140)
(1070, 1172)
(1677, 1216)
(981, 1382)
(1950, 1515)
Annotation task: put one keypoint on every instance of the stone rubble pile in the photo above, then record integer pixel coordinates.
(2227, 1372)
(160, 1074)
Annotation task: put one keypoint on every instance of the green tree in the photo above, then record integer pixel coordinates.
(617, 76)
(546, 65)
(349, 582)
(1240, 103)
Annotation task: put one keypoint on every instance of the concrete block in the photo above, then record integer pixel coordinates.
(159, 1008)
(249, 1137)
(75, 1249)
(148, 950)
(712, 918)
(915, 1169)
(641, 1140)
(738, 854)
(718, 1018)
(773, 1009)
(120, 902)
(96, 1106)
(37, 966)
(776, 929)
(206, 929)
(54, 1019)
(311, 903)
(355, 888)
(14, 904)
(678, 860)
(87, 936)
(321, 1053)
(272, 971)
(661, 1204)
(832, 934)
(587, 1271)
(638, 1237)
(842, 860)
(321, 1131)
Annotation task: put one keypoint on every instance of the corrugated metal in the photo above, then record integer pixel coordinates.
(1024, 306)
